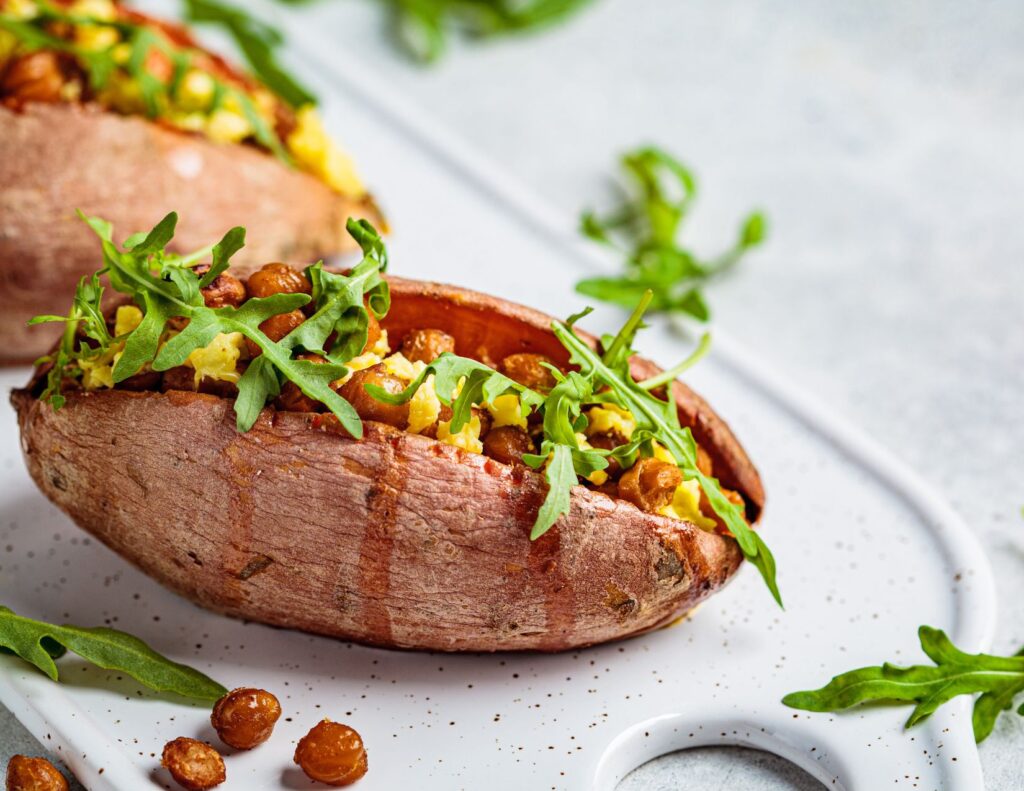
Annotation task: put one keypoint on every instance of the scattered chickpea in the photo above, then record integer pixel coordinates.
(650, 484)
(332, 753)
(426, 345)
(35, 77)
(193, 765)
(373, 332)
(507, 444)
(368, 407)
(33, 774)
(528, 371)
(278, 278)
(245, 717)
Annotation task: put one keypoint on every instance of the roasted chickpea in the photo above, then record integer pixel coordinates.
(275, 328)
(223, 291)
(368, 407)
(276, 278)
(528, 371)
(33, 774)
(193, 764)
(35, 77)
(650, 484)
(507, 444)
(426, 345)
(332, 753)
(245, 717)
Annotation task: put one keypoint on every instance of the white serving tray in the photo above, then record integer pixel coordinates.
(866, 553)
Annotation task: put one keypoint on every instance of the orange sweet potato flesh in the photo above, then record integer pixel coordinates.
(56, 158)
(394, 540)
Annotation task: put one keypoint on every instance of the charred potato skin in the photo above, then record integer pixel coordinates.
(58, 157)
(377, 532)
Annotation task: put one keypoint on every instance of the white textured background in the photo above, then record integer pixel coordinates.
(886, 142)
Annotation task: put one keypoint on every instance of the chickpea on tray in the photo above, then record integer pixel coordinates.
(395, 462)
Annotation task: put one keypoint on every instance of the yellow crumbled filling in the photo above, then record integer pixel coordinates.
(127, 318)
(21, 9)
(381, 347)
(507, 411)
(686, 505)
(225, 125)
(398, 365)
(425, 407)
(316, 152)
(195, 91)
(97, 9)
(609, 419)
(219, 358)
(661, 453)
(468, 437)
(98, 372)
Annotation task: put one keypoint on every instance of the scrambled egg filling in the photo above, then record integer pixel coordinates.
(610, 419)
(317, 153)
(686, 498)
(219, 358)
(507, 411)
(468, 437)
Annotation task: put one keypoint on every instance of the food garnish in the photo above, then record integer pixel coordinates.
(40, 643)
(245, 717)
(33, 774)
(194, 765)
(311, 349)
(998, 680)
(332, 753)
(645, 229)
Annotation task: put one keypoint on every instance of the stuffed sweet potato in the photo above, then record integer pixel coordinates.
(384, 460)
(108, 111)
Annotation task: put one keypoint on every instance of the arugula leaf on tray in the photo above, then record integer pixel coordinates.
(645, 229)
(40, 643)
(998, 680)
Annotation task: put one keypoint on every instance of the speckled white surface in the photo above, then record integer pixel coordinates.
(884, 140)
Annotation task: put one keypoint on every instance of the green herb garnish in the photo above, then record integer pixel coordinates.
(130, 57)
(40, 643)
(165, 286)
(998, 679)
(258, 42)
(645, 230)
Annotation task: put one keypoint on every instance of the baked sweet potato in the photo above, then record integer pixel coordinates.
(394, 539)
(213, 141)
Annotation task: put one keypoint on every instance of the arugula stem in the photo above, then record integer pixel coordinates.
(665, 377)
(630, 327)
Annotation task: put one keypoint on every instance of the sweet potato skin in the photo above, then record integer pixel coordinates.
(56, 158)
(395, 540)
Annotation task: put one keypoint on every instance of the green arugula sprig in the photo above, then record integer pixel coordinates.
(258, 43)
(157, 95)
(998, 680)
(40, 643)
(422, 27)
(645, 230)
(165, 286)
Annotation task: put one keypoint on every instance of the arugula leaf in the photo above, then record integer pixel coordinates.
(660, 420)
(645, 229)
(40, 643)
(258, 42)
(954, 673)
